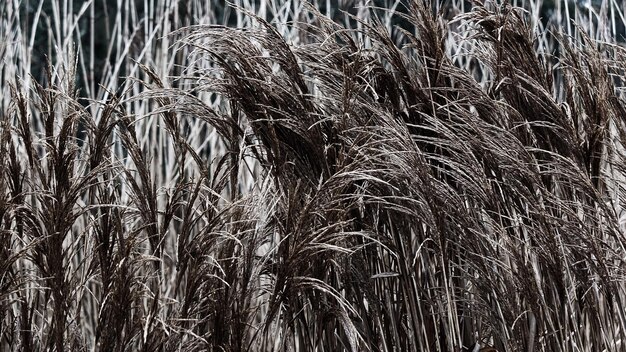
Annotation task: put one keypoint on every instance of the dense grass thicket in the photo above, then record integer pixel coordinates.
(312, 176)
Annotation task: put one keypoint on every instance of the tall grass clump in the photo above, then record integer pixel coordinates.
(272, 176)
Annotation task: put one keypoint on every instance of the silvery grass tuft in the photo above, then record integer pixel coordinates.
(271, 176)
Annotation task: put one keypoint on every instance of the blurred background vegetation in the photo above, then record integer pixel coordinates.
(104, 14)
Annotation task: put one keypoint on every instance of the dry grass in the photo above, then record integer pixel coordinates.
(394, 177)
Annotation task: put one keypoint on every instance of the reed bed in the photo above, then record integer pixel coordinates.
(296, 176)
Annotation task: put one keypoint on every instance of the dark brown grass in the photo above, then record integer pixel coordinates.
(354, 189)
